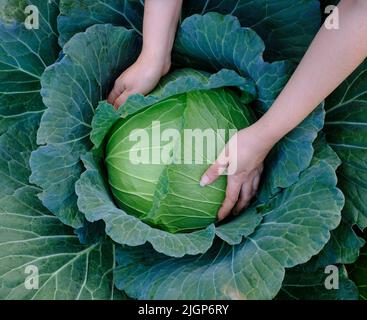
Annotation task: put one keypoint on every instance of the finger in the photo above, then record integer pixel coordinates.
(255, 183)
(117, 90)
(232, 193)
(246, 195)
(215, 170)
(121, 99)
(212, 174)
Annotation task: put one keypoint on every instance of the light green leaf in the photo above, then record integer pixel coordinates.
(346, 132)
(71, 89)
(30, 236)
(186, 80)
(286, 26)
(24, 54)
(105, 117)
(296, 225)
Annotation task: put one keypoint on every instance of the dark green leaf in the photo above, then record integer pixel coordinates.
(359, 274)
(286, 26)
(71, 89)
(77, 16)
(346, 131)
(30, 236)
(24, 54)
(301, 285)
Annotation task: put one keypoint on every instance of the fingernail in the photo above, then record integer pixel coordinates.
(204, 181)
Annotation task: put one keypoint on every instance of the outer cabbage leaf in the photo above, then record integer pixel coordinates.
(296, 225)
(301, 285)
(359, 274)
(77, 16)
(24, 54)
(71, 89)
(343, 248)
(346, 132)
(240, 49)
(31, 236)
(344, 244)
(286, 26)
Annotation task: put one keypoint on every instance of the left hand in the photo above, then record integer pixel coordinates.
(244, 168)
(141, 77)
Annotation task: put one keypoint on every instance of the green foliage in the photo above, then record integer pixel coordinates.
(24, 55)
(359, 274)
(57, 211)
(346, 131)
(302, 285)
(32, 237)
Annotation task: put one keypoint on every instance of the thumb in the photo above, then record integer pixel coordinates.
(214, 171)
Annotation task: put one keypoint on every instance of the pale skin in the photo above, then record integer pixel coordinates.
(159, 28)
(330, 59)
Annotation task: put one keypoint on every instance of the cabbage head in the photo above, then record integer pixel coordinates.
(165, 191)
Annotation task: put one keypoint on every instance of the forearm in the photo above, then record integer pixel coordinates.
(331, 58)
(159, 27)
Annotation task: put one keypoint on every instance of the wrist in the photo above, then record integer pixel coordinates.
(159, 60)
(266, 134)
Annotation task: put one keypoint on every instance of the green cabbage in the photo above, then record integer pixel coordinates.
(166, 193)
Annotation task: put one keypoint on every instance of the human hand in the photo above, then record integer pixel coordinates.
(243, 158)
(141, 77)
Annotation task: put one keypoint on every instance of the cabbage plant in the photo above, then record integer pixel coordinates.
(60, 210)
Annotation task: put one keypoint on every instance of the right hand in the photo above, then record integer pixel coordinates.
(141, 77)
(244, 168)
